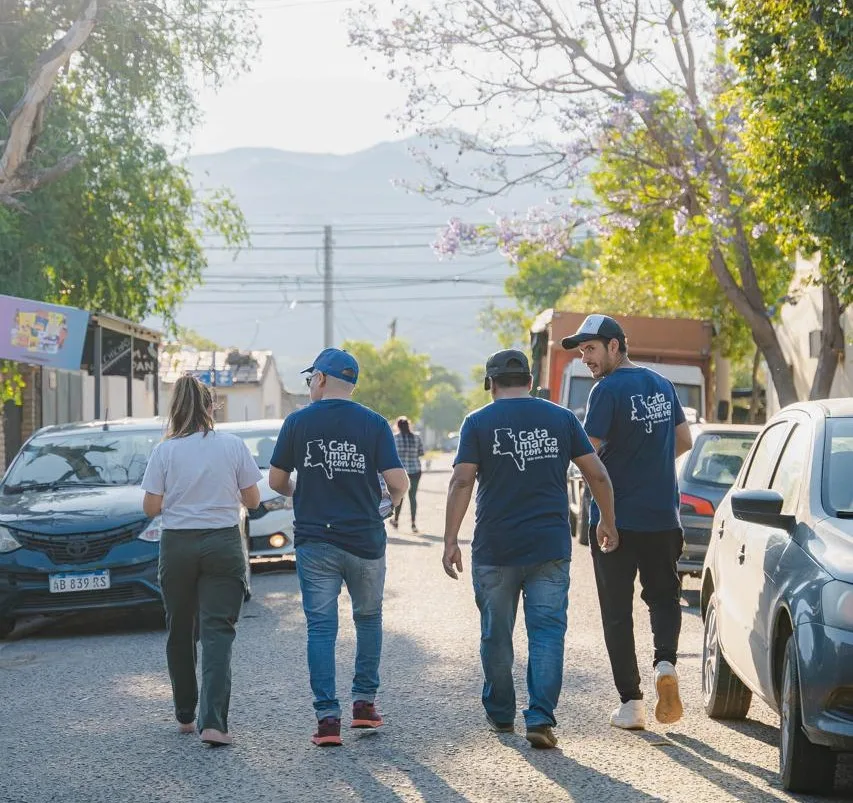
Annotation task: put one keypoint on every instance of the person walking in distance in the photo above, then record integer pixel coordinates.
(410, 447)
(340, 448)
(196, 480)
(635, 421)
(518, 448)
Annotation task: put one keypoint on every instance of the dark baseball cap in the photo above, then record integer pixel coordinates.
(337, 363)
(509, 361)
(593, 328)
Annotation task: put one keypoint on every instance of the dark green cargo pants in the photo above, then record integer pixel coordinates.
(203, 580)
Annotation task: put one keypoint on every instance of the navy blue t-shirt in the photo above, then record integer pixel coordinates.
(338, 448)
(635, 411)
(522, 448)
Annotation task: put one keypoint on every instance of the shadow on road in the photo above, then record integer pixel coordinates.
(580, 781)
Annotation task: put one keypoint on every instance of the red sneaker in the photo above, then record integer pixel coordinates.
(365, 715)
(328, 733)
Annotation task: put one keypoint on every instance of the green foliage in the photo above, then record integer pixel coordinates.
(540, 281)
(796, 57)
(444, 408)
(11, 384)
(439, 375)
(477, 397)
(122, 232)
(542, 278)
(510, 325)
(189, 337)
(656, 263)
(392, 378)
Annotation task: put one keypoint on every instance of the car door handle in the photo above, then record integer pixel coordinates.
(721, 530)
(741, 556)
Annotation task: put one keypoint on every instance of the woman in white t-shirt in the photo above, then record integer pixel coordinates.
(197, 479)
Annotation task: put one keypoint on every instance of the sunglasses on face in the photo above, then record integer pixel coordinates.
(308, 379)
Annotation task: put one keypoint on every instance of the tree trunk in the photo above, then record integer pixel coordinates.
(763, 332)
(756, 390)
(831, 345)
(25, 119)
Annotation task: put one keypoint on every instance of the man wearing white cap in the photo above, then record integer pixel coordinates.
(635, 422)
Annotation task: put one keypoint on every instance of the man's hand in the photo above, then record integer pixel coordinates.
(452, 560)
(608, 537)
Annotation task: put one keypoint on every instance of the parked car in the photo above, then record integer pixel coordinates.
(777, 590)
(271, 524)
(73, 535)
(705, 474)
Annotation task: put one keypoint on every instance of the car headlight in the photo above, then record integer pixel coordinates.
(837, 603)
(279, 503)
(7, 542)
(153, 531)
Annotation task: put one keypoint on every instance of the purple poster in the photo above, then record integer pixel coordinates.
(42, 334)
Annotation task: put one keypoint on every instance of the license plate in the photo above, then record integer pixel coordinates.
(79, 581)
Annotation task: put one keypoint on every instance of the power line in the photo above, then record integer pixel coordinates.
(377, 247)
(377, 300)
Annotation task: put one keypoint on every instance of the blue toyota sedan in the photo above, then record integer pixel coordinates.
(777, 590)
(72, 532)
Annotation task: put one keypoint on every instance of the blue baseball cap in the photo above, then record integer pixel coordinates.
(337, 363)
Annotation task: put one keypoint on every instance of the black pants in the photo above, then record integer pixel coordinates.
(655, 556)
(414, 481)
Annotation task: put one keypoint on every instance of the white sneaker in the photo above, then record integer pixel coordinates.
(668, 708)
(630, 716)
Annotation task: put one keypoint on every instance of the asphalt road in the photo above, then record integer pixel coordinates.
(86, 712)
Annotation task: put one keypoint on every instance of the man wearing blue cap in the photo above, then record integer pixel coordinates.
(340, 448)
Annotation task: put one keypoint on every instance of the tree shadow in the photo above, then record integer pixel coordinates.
(712, 754)
(405, 542)
(580, 781)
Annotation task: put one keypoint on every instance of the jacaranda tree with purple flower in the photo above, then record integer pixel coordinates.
(648, 78)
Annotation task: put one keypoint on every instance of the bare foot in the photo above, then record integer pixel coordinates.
(186, 727)
(216, 738)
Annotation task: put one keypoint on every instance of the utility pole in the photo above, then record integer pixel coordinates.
(328, 301)
(392, 330)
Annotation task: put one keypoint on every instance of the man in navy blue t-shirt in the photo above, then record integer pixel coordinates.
(635, 422)
(518, 450)
(340, 449)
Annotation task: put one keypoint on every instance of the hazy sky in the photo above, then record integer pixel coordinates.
(308, 90)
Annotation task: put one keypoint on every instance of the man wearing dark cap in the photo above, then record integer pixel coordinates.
(518, 449)
(635, 422)
(340, 448)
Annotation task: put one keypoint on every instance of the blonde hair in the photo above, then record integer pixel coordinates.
(190, 410)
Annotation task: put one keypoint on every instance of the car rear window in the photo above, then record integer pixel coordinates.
(838, 467)
(716, 457)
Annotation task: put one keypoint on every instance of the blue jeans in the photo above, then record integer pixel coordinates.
(545, 587)
(321, 569)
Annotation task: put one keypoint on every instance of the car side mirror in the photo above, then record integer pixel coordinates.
(761, 507)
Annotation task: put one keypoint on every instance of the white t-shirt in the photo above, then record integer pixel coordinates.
(200, 478)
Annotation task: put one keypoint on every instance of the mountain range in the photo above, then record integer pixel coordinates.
(385, 270)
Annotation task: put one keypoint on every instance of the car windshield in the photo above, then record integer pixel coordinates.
(716, 457)
(93, 457)
(838, 466)
(261, 444)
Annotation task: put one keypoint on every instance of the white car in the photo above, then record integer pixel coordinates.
(271, 524)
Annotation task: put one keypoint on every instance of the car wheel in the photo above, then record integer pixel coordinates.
(7, 625)
(723, 693)
(804, 767)
(583, 523)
